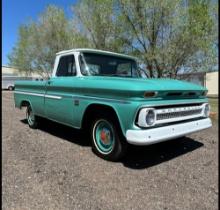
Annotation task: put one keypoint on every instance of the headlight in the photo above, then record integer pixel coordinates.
(150, 117)
(207, 110)
(146, 117)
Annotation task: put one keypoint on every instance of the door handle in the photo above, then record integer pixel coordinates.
(49, 82)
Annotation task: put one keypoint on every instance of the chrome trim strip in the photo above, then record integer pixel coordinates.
(38, 94)
(53, 97)
(178, 103)
(102, 99)
(178, 109)
(75, 97)
(29, 93)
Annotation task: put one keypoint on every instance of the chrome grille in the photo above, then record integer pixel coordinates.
(172, 113)
(178, 114)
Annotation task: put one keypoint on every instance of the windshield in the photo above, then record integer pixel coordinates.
(106, 65)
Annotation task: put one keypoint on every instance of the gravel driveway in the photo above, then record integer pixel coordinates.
(53, 167)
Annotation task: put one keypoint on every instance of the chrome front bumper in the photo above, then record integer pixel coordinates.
(155, 135)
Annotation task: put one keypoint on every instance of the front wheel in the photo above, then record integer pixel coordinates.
(107, 142)
(31, 118)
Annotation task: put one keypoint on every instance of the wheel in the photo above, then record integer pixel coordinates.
(31, 118)
(10, 88)
(107, 140)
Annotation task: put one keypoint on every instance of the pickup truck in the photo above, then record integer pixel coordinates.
(106, 94)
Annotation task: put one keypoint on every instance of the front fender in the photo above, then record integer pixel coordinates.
(124, 111)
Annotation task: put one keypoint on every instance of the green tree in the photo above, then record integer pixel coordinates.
(97, 20)
(39, 41)
(20, 56)
(166, 35)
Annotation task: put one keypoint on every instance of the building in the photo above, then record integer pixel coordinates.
(206, 79)
(11, 71)
(211, 82)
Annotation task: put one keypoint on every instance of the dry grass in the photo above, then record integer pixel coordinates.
(214, 108)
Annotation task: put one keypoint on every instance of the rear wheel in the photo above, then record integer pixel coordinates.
(10, 88)
(107, 141)
(31, 118)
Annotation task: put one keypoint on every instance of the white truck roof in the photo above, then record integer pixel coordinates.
(88, 50)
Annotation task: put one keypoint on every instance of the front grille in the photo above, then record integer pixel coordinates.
(178, 114)
(174, 113)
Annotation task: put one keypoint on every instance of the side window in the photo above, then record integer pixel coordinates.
(124, 69)
(66, 66)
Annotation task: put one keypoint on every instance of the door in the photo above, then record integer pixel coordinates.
(59, 92)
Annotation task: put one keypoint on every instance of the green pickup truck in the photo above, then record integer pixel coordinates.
(106, 94)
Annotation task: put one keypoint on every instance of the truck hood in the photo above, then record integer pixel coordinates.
(144, 84)
(135, 87)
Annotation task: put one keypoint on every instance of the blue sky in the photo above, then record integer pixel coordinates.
(16, 12)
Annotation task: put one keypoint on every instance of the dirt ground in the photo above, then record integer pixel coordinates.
(53, 167)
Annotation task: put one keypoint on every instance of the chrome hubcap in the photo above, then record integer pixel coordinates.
(103, 134)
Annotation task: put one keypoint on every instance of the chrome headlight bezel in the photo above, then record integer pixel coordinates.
(204, 93)
(206, 110)
(142, 117)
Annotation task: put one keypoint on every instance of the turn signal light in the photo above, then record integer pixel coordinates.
(150, 94)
